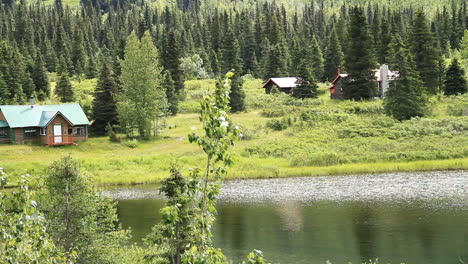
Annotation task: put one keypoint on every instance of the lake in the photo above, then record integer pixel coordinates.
(413, 218)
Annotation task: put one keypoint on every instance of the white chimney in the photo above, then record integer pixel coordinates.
(384, 79)
(31, 101)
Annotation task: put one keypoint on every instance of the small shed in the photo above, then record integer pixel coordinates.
(284, 84)
(336, 89)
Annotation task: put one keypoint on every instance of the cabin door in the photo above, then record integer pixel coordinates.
(57, 133)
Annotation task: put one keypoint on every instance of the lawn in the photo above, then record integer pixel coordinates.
(282, 137)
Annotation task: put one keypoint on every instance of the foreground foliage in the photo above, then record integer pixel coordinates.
(78, 218)
(23, 229)
(185, 229)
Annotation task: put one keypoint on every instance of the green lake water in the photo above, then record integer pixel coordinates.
(428, 227)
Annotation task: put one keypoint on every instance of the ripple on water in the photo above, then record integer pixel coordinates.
(434, 189)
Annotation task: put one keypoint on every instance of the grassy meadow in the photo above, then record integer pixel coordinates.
(282, 137)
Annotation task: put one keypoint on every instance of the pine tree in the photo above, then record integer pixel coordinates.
(104, 107)
(426, 55)
(406, 97)
(455, 82)
(64, 89)
(230, 59)
(306, 84)
(333, 57)
(359, 59)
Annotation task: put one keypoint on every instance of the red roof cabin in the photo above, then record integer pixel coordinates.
(383, 77)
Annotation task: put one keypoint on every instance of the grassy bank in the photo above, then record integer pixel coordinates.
(283, 137)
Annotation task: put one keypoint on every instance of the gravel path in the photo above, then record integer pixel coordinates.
(448, 188)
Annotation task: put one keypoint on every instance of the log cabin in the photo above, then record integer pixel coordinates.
(50, 125)
(383, 76)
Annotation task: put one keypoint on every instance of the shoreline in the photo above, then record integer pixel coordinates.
(294, 172)
(336, 170)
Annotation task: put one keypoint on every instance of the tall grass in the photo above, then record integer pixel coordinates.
(315, 137)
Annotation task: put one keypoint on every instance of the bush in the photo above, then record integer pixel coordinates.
(131, 143)
(458, 105)
(113, 137)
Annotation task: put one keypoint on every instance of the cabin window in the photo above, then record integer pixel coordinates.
(43, 131)
(3, 132)
(30, 132)
(80, 131)
(70, 131)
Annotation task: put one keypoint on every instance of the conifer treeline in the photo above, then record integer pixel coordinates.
(268, 40)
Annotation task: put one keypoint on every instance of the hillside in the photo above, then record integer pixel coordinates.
(281, 137)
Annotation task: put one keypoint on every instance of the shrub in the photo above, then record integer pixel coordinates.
(277, 111)
(113, 137)
(247, 134)
(325, 158)
(277, 124)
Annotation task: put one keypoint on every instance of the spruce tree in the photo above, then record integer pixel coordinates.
(230, 59)
(170, 57)
(78, 52)
(333, 57)
(104, 107)
(464, 50)
(90, 70)
(4, 93)
(64, 89)
(40, 79)
(359, 59)
(455, 82)
(316, 59)
(275, 64)
(80, 221)
(214, 62)
(306, 84)
(405, 97)
(169, 86)
(384, 41)
(425, 52)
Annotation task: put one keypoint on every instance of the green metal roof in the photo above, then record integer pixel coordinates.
(41, 115)
(3, 123)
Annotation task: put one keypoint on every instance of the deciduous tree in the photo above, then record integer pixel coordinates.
(142, 102)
